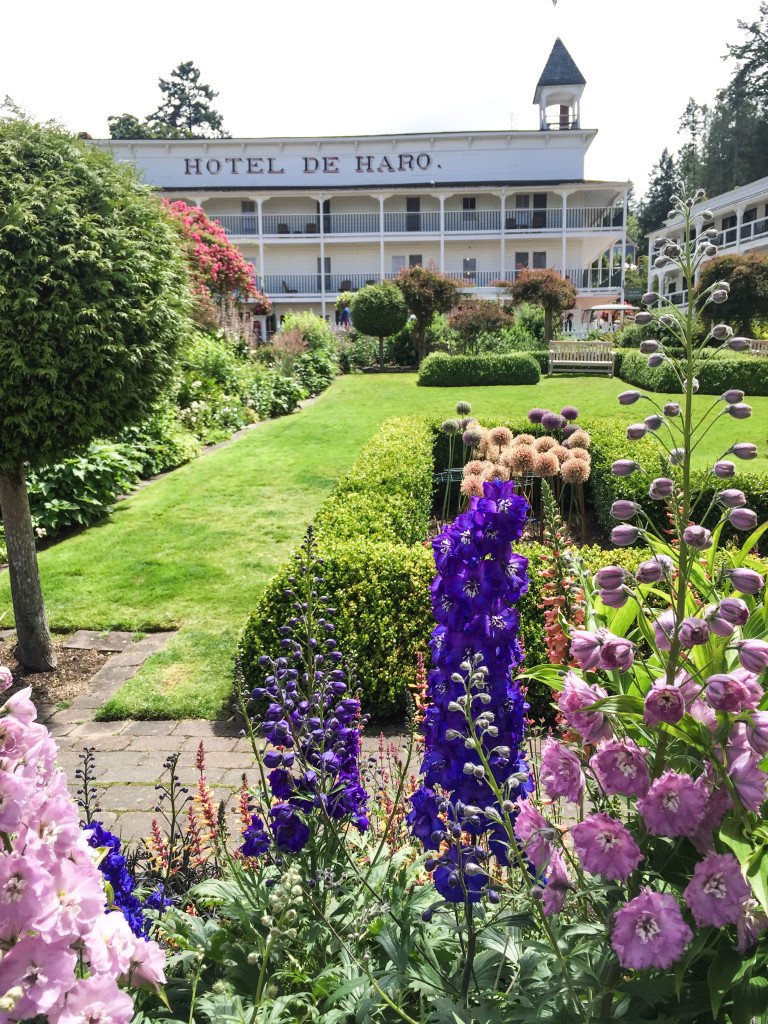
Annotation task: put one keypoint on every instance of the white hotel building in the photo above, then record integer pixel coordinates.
(741, 222)
(317, 217)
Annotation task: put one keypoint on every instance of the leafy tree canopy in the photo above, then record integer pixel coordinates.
(545, 288)
(426, 292)
(475, 317)
(747, 302)
(379, 310)
(185, 113)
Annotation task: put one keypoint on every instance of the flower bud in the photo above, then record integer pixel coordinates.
(623, 509)
(663, 704)
(721, 332)
(739, 344)
(611, 577)
(720, 295)
(656, 360)
(623, 536)
(723, 469)
(732, 498)
(739, 410)
(711, 233)
(450, 427)
(667, 319)
(671, 409)
(693, 632)
(472, 437)
(745, 450)
(635, 431)
(697, 537)
(677, 456)
(753, 655)
(733, 395)
(654, 421)
(662, 487)
(716, 622)
(746, 581)
(710, 250)
(725, 693)
(643, 317)
(647, 347)
(672, 250)
(743, 518)
(649, 298)
(624, 467)
(734, 610)
(723, 286)
(649, 572)
(629, 397)
(694, 385)
(614, 598)
(707, 215)
(659, 243)
(659, 263)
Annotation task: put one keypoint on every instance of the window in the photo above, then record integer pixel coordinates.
(521, 261)
(469, 268)
(540, 207)
(413, 214)
(728, 222)
(247, 206)
(468, 203)
(398, 262)
(539, 261)
(540, 201)
(749, 215)
(522, 202)
(415, 261)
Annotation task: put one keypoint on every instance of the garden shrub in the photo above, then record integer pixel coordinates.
(439, 370)
(160, 443)
(716, 375)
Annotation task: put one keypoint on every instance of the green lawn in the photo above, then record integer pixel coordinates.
(195, 549)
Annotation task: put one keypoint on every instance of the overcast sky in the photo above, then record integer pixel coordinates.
(352, 67)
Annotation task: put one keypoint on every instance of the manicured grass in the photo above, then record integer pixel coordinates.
(195, 549)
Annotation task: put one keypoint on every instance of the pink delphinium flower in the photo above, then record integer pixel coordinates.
(716, 891)
(718, 803)
(20, 706)
(650, 931)
(6, 679)
(534, 834)
(616, 654)
(575, 697)
(26, 895)
(727, 692)
(663, 704)
(621, 768)
(585, 648)
(561, 773)
(663, 630)
(674, 805)
(605, 847)
(751, 922)
(94, 1000)
(557, 884)
(748, 779)
(42, 970)
(147, 964)
(758, 732)
(110, 945)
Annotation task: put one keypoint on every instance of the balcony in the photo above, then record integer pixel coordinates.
(595, 279)
(315, 284)
(401, 222)
(750, 229)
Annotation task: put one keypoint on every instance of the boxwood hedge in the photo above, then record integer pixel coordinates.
(716, 375)
(440, 370)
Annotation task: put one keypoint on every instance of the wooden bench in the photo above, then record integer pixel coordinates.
(581, 356)
(759, 347)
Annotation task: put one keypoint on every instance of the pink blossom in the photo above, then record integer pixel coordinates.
(718, 802)
(663, 629)
(748, 779)
(749, 925)
(6, 679)
(716, 891)
(616, 654)
(726, 691)
(557, 885)
(575, 697)
(605, 847)
(95, 1000)
(20, 706)
(650, 932)
(673, 806)
(621, 767)
(758, 732)
(80, 897)
(110, 945)
(147, 964)
(50, 829)
(534, 834)
(585, 648)
(42, 970)
(15, 793)
(26, 895)
(663, 704)
(561, 773)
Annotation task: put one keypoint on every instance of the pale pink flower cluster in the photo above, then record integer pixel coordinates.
(54, 925)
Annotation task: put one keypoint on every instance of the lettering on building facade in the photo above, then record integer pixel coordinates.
(393, 164)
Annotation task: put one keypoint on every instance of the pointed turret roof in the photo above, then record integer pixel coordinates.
(560, 69)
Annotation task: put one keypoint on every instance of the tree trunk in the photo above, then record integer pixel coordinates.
(381, 353)
(35, 650)
(420, 336)
(547, 325)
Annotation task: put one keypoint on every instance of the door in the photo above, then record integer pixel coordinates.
(413, 214)
(540, 210)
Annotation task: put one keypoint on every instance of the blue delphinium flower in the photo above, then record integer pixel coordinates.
(256, 839)
(473, 695)
(311, 721)
(113, 867)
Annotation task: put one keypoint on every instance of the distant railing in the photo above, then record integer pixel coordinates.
(594, 279)
(403, 222)
(472, 220)
(238, 223)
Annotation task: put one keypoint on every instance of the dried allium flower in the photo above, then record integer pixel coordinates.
(546, 465)
(472, 437)
(523, 439)
(574, 471)
(544, 444)
(474, 468)
(472, 487)
(450, 427)
(500, 436)
(496, 472)
(580, 439)
(563, 454)
(522, 458)
(581, 454)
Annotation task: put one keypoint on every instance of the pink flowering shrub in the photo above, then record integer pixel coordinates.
(63, 953)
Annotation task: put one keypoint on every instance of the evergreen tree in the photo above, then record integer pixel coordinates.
(655, 205)
(185, 112)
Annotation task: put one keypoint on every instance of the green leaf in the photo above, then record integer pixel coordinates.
(750, 543)
(726, 969)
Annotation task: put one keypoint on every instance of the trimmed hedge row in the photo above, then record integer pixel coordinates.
(440, 370)
(716, 375)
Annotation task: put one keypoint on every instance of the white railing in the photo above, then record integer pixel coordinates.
(238, 223)
(476, 278)
(594, 279)
(750, 229)
(472, 220)
(403, 222)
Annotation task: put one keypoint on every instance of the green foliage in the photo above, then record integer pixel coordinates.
(426, 293)
(545, 288)
(441, 371)
(79, 490)
(477, 319)
(747, 300)
(379, 310)
(93, 295)
(530, 318)
(655, 203)
(315, 331)
(715, 375)
(185, 112)
(159, 443)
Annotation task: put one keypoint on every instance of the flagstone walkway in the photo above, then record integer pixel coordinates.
(130, 755)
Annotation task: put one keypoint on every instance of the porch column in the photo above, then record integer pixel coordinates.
(564, 196)
(260, 226)
(441, 197)
(624, 243)
(381, 237)
(739, 221)
(322, 255)
(503, 254)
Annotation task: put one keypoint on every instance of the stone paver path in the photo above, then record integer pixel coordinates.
(130, 755)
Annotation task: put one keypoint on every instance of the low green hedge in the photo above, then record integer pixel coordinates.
(715, 375)
(440, 370)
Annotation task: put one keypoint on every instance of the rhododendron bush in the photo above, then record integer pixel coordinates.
(66, 951)
(217, 268)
